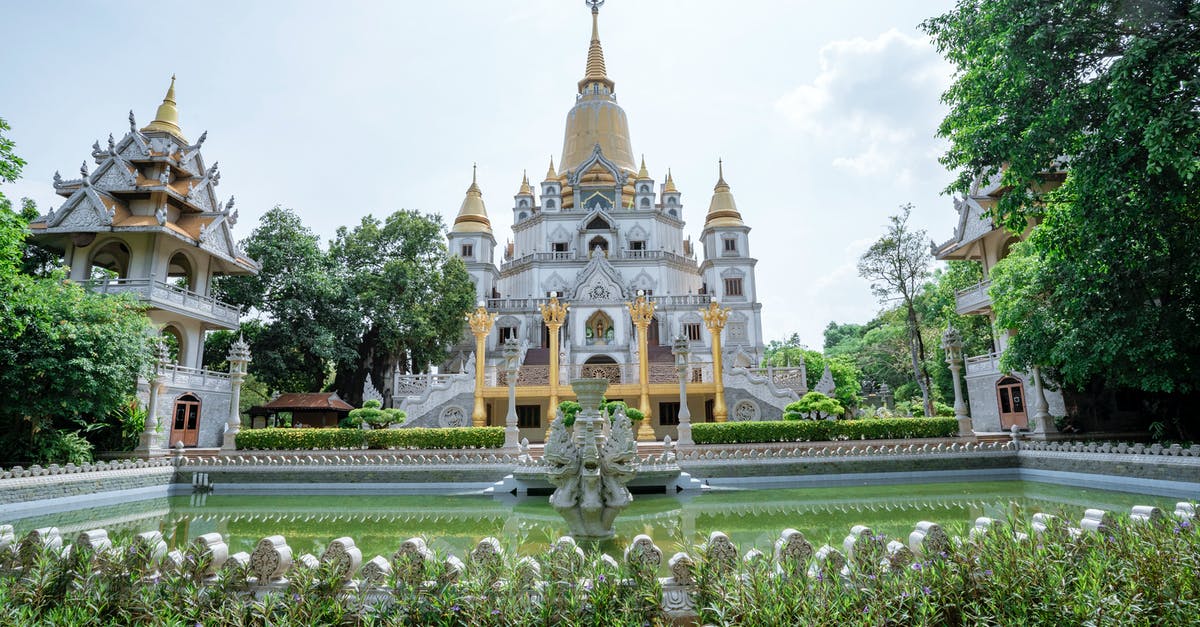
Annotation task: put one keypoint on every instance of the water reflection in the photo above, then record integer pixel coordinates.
(752, 518)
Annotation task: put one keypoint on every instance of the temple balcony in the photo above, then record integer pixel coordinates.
(983, 365)
(195, 379)
(974, 299)
(171, 298)
(573, 256)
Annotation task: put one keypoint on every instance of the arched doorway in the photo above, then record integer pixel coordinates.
(172, 338)
(598, 242)
(602, 367)
(185, 420)
(1010, 393)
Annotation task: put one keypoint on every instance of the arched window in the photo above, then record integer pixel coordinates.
(601, 367)
(645, 189)
(549, 204)
(185, 420)
(598, 242)
(551, 190)
(645, 202)
(522, 215)
(110, 261)
(524, 203)
(673, 213)
(180, 273)
(599, 224)
(172, 338)
(672, 201)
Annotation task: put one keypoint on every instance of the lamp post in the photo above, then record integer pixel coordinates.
(680, 350)
(714, 319)
(481, 324)
(238, 358)
(512, 364)
(148, 445)
(554, 314)
(1042, 423)
(642, 312)
(952, 343)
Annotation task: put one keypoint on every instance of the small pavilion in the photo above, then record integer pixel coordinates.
(315, 409)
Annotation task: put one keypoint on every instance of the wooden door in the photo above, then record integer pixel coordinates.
(1010, 393)
(185, 421)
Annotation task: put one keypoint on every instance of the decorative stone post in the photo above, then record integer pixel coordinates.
(512, 365)
(642, 312)
(714, 319)
(553, 314)
(1042, 423)
(680, 350)
(238, 358)
(148, 445)
(952, 343)
(481, 324)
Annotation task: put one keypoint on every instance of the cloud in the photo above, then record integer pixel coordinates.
(874, 102)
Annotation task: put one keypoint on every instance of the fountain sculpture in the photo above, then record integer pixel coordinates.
(590, 467)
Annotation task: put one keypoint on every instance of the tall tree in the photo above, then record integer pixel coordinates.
(897, 265)
(1109, 93)
(410, 296)
(302, 303)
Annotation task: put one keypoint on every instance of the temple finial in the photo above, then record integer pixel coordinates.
(595, 71)
(166, 119)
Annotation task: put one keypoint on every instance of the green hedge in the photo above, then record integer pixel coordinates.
(821, 430)
(308, 439)
(418, 437)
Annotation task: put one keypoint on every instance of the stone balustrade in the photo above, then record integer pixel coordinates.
(269, 567)
(20, 472)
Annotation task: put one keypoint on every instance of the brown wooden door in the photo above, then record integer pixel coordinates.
(185, 421)
(1010, 393)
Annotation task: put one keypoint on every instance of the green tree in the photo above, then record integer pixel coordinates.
(301, 303)
(410, 297)
(1105, 92)
(897, 265)
(846, 376)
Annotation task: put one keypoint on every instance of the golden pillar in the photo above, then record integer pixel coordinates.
(642, 311)
(481, 324)
(714, 319)
(553, 313)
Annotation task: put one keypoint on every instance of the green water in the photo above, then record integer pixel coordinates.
(453, 524)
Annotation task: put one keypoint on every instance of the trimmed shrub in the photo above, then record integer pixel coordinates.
(419, 437)
(813, 406)
(822, 430)
(277, 439)
(373, 415)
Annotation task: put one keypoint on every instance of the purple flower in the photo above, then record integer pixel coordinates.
(866, 610)
(495, 612)
(987, 573)
(455, 608)
(916, 566)
(904, 595)
(601, 578)
(926, 589)
(587, 586)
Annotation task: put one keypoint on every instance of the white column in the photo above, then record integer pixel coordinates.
(1042, 422)
(238, 358)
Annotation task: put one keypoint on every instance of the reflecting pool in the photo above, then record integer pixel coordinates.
(453, 524)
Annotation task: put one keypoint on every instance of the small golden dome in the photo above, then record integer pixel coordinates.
(166, 119)
(472, 215)
(642, 174)
(551, 175)
(525, 188)
(722, 210)
(669, 187)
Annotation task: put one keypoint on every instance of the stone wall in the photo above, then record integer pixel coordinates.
(45, 484)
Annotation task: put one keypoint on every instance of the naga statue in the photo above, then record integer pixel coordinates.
(591, 467)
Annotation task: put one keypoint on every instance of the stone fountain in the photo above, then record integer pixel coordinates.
(590, 467)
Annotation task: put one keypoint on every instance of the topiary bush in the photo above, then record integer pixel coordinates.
(822, 430)
(418, 437)
(814, 406)
(373, 415)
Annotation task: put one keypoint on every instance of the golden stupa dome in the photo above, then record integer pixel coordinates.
(166, 119)
(472, 215)
(596, 117)
(722, 210)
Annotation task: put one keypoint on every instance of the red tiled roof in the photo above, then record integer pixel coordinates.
(308, 400)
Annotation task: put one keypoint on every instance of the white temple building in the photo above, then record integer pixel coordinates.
(596, 232)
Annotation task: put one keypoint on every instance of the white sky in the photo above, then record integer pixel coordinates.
(824, 112)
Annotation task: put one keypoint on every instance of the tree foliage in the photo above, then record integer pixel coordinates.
(897, 265)
(1108, 93)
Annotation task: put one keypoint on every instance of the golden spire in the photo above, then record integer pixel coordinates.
(167, 117)
(551, 175)
(525, 188)
(643, 174)
(669, 188)
(472, 215)
(722, 210)
(595, 72)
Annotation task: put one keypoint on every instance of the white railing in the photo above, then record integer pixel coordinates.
(572, 255)
(973, 299)
(166, 295)
(182, 376)
(683, 300)
(410, 384)
(983, 364)
(792, 378)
